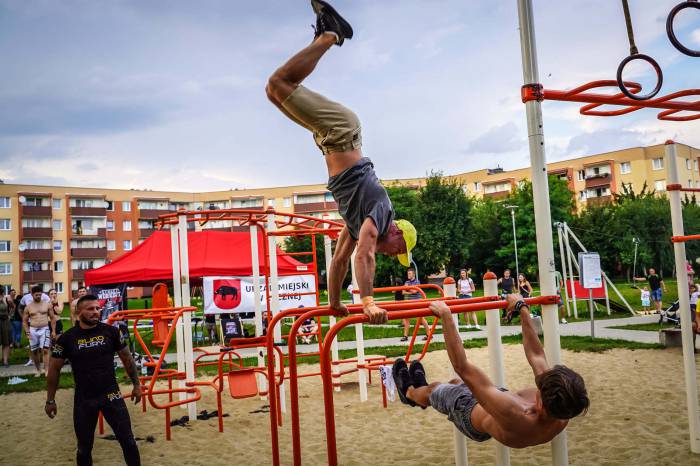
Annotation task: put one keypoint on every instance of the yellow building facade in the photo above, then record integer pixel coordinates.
(51, 235)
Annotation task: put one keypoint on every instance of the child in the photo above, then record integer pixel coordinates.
(693, 298)
(646, 299)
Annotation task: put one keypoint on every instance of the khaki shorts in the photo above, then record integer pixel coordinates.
(335, 128)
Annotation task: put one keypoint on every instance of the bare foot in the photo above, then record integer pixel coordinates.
(341, 308)
(376, 314)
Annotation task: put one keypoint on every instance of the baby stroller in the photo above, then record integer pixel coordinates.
(671, 314)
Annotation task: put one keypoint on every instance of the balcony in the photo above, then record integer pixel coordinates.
(36, 211)
(88, 211)
(315, 207)
(39, 276)
(497, 194)
(93, 233)
(153, 213)
(37, 254)
(599, 200)
(256, 208)
(596, 181)
(31, 232)
(146, 232)
(79, 274)
(88, 253)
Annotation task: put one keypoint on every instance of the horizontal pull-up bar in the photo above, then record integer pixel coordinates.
(671, 104)
(684, 238)
(679, 187)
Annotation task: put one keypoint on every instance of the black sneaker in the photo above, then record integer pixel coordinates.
(328, 20)
(417, 374)
(402, 379)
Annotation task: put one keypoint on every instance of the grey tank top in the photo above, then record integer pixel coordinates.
(359, 195)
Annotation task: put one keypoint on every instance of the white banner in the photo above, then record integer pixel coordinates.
(235, 294)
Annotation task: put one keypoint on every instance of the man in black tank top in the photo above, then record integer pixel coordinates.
(90, 346)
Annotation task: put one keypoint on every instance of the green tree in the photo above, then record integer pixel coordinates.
(484, 237)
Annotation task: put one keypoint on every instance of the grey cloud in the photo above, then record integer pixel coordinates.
(497, 140)
(605, 140)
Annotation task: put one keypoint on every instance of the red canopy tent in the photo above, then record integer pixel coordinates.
(211, 253)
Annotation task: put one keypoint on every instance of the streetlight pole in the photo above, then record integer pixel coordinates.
(515, 239)
(635, 240)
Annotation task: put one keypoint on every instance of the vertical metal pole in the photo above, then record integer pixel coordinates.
(634, 264)
(496, 364)
(460, 441)
(515, 245)
(590, 308)
(257, 296)
(275, 297)
(563, 269)
(177, 300)
(691, 386)
(187, 316)
(607, 297)
(328, 250)
(359, 334)
(572, 282)
(543, 218)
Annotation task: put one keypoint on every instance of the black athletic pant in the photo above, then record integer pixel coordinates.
(116, 414)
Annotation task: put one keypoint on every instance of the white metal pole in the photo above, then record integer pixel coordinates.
(275, 296)
(496, 364)
(607, 297)
(460, 441)
(328, 250)
(572, 282)
(563, 269)
(187, 316)
(177, 300)
(515, 244)
(359, 334)
(691, 386)
(543, 218)
(257, 296)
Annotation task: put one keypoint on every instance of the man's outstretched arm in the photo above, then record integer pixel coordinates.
(531, 342)
(339, 269)
(365, 263)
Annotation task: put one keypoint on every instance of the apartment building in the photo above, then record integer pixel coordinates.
(51, 235)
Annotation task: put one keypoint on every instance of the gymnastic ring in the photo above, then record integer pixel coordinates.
(652, 62)
(671, 33)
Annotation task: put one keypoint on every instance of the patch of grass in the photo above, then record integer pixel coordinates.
(651, 327)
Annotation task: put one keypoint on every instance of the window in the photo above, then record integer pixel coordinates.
(477, 186)
(58, 266)
(287, 201)
(688, 165)
(57, 203)
(36, 223)
(270, 202)
(625, 168)
(4, 223)
(690, 183)
(111, 245)
(126, 206)
(110, 205)
(582, 195)
(581, 175)
(58, 286)
(695, 165)
(110, 225)
(126, 225)
(5, 268)
(660, 185)
(127, 245)
(4, 202)
(657, 164)
(5, 246)
(57, 225)
(58, 245)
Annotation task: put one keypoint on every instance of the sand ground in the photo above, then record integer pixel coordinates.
(637, 417)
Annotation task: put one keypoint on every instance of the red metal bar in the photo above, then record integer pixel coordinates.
(683, 239)
(678, 187)
(671, 104)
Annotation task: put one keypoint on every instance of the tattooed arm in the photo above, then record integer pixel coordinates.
(130, 368)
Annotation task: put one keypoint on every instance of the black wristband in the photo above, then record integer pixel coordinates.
(50, 402)
(520, 304)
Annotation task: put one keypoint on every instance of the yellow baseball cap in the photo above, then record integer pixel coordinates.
(410, 237)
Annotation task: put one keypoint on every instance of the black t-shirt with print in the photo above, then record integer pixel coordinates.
(91, 353)
(654, 281)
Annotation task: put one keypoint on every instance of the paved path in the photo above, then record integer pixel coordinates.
(602, 330)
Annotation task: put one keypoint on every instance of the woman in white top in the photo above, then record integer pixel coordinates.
(465, 289)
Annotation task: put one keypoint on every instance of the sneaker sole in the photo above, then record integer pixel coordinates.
(402, 396)
(412, 370)
(319, 6)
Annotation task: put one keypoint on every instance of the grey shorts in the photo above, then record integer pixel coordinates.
(335, 128)
(457, 402)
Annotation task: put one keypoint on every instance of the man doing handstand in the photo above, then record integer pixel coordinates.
(362, 200)
(481, 410)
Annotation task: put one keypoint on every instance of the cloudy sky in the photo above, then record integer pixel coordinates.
(170, 94)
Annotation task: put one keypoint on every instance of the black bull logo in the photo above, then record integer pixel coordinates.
(225, 291)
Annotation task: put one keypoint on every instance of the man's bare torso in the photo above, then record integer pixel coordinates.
(523, 427)
(38, 313)
(338, 162)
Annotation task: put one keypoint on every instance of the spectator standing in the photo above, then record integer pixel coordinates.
(15, 318)
(646, 299)
(5, 331)
(210, 328)
(691, 274)
(26, 299)
(57, 308)
(524, 287)
(82, 291)
(37, 321)
(507, 287)
(465, 290)
(412, 280)
(655, 285)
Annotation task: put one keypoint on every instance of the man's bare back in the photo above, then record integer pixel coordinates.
(39, 313)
